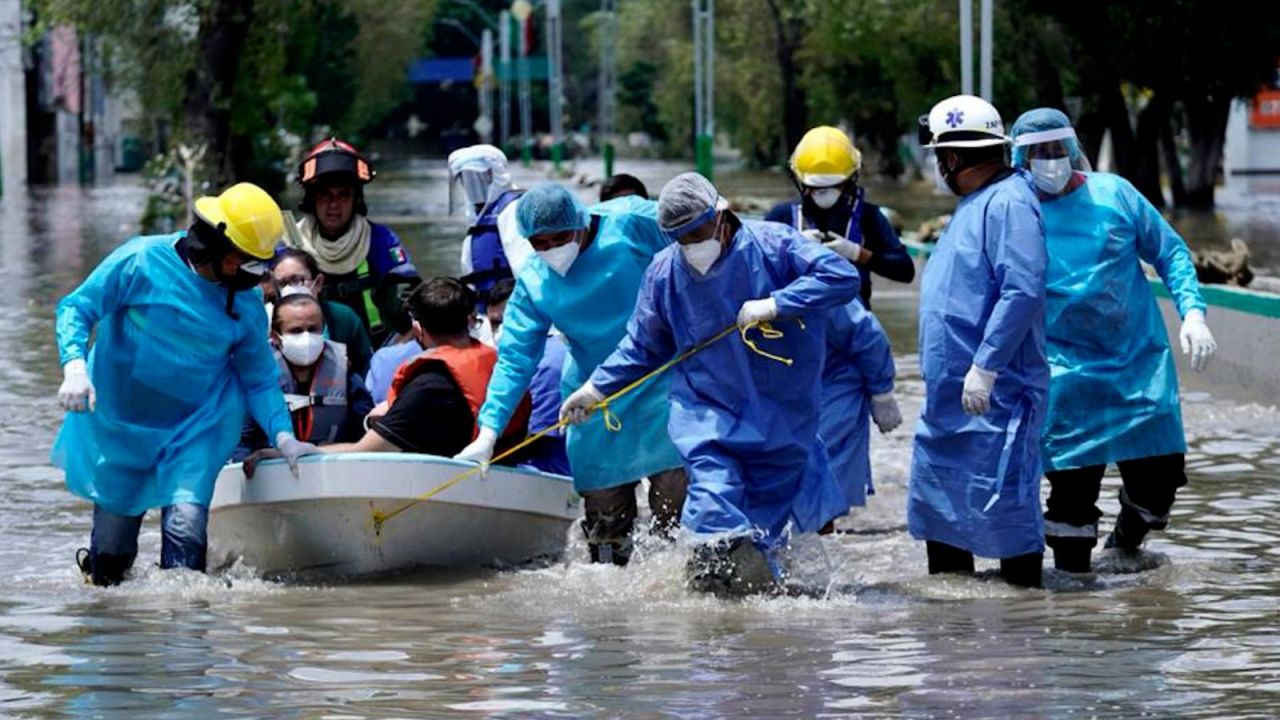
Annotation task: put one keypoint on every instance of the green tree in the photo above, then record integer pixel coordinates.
(1175, 63)
(242, 75)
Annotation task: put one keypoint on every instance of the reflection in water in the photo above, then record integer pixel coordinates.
(1195, 637)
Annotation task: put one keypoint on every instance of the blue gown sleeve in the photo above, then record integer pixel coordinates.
(106, 289)
(1161, 247)
(874, 356)
(857, 337)
(256, 367)
(822, 278)
(1015, 248)
(642, 228)
(648, 344)
(524, 337)
(890, 258)
(781, 213)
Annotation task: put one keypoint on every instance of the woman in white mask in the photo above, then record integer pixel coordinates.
(583, 281)
(1113, 397)
(832, 209)
(327, 401)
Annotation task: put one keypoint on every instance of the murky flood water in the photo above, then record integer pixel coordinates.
(1196, 637)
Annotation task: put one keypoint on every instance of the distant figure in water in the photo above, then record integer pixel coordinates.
(1114, 393)
(155, 405)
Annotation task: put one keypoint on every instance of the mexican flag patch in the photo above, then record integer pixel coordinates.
(398, 256)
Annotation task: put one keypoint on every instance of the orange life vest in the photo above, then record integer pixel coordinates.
(470, 367)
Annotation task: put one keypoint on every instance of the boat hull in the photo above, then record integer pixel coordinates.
(321, 524)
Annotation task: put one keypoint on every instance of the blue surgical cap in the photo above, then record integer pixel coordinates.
(1040, 120)
(549, 208)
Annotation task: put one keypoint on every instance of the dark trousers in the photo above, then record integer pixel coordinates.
(610, 514)
(1020, 570)
(1147, 494)
(113, 546)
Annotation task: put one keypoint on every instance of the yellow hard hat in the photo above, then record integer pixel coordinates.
(825, 157)
(248, 216)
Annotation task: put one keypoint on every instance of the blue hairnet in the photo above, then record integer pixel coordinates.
(549, 208)
(1039, 120)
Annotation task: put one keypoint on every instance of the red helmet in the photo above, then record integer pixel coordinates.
(332, 157)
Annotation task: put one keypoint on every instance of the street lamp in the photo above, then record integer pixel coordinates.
(704, 83)
(605, 90)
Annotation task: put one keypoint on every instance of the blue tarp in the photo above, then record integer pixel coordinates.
(463, 69)
(436, 70)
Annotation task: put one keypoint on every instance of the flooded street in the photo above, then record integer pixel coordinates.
(1195, 637)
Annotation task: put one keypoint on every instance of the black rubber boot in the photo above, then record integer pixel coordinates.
(104, 570)
(944, 558)
(82, 561)
(1073, 555)
(1023, 570)
(1129, 532)
(730, 568)
(618, 553)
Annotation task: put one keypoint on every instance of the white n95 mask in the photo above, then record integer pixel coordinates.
(1051, 175)
(302, 349)
(701, 255)
(560, 258)
(825, 198)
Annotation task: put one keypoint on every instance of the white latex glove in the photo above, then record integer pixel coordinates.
(754, 311)
(577, 408)
(818, 236)
(1196, 339)
(844, 247)
(976, 397)
(480, 450)
(885, 412)
(77, 393)
(291, 448)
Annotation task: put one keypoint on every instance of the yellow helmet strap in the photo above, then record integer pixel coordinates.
(206, 244)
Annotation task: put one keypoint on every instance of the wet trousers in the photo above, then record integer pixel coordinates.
(1071, 518)
(113, 546)
(1020, 570)
(610, 514)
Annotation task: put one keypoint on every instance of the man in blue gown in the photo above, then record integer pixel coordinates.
(975, 469)
(745, 420)
(1114, 393)
(179, 352)
(583, 281)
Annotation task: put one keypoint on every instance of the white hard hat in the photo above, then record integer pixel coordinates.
(965, 121)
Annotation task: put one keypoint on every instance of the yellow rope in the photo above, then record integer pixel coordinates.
(611, 421)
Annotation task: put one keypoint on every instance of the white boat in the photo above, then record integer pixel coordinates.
(322, 523)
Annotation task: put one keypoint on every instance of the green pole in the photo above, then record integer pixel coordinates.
(608, 160)
(557, 153)
(703, 156)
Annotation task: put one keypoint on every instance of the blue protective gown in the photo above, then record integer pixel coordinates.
(1114, 393)
(746, 425)
(173, 374)
(589, 306)
(859, 365)
(975, 481)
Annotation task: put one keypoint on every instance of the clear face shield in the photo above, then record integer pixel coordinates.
(1052, 156)
(469, 190)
